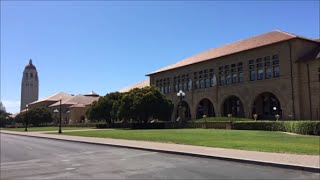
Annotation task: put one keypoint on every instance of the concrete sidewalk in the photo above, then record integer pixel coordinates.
(292, 161)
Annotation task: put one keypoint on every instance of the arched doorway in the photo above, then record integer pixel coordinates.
(205, 107)
(186, 109)
(266, 106)
(233, 105)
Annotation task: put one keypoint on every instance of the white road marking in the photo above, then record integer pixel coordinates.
(57, 154)
(76, 164)
(65, 160)
(27, 147)
(130, 172)
(68, 169)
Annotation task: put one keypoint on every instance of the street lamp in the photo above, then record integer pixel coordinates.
(60, 117)
(180, 95)
(27, 119)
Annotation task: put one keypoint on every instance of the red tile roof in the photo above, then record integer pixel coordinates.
(141, 84)
(243, 45)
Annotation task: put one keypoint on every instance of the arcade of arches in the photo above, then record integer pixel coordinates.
(185, 111)
(266, 105)
(233, 105)
(205, 107)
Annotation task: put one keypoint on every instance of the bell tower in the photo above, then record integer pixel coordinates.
(29, 85)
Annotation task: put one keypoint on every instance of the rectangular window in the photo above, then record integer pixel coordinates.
(207, 82)
(201, 83)
(252, 70)
(234, 78)
(228, 79)
(240, 73)
(222, 81)
(276, 71)
(276, 67)
(268, 72)
(260, 74)
(196, 86)
(252, 75)
(240, 77)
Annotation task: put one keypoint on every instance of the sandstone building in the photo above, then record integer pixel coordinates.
(269, 74)
(73, 107)
(29, 85)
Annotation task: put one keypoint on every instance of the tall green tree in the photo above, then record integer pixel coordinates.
(103, 108)
(145, 104)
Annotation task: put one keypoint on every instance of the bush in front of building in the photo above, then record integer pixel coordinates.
(258, 125)
(303, 127)
(35, 117)
(141, 105)
(298, 127)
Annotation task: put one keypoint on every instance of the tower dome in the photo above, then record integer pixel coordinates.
(30, 65)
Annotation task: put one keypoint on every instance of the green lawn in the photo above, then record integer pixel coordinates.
(45, 128)
(267, 141)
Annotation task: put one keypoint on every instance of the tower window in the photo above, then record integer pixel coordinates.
(26, 74)
(31, 75)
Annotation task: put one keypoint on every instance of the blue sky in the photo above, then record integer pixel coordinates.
(80, 46)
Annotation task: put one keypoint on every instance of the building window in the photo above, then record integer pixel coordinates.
(201, 80)
(175, 84)
(227, 74)
(31, 75)
(260, 69)
(267, 66)
(168, 85)
(206, 79)
(234, 74)
(276, 67)
(179, 84)
(222, 81)
(240, 73)
(213, 80)
(163, 85)
(221, 76)
(26, 74)
(189, 84)
(160, 85)
(195, 77)
(252, 71)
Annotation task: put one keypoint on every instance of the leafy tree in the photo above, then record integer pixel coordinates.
(103, 108)
(5, 118)
(145, 104)
(2, 108)
(35, 116)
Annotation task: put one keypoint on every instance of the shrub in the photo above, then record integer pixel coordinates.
(258, 125)
(303, 127)
(299, 127)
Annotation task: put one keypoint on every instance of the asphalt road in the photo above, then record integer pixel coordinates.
(36, 158)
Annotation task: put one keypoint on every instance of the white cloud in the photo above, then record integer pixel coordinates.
(12, 106)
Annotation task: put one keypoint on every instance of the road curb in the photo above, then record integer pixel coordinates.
(247, 161)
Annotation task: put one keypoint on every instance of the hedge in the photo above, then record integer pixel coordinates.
(299, 127)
